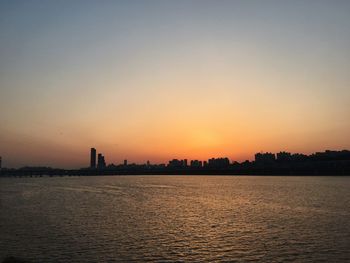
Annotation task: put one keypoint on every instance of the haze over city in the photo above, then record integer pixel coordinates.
(156, 80)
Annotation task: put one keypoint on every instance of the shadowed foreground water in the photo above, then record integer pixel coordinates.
(176, 218)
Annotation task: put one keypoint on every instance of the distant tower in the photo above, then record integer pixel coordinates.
(101, 163)
(0, 162)
(93, 158)
(125, 162)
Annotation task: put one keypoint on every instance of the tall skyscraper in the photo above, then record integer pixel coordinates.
(101, 163)
(0, 162)
(93, 158)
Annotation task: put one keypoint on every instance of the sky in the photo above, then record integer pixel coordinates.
(156, 80)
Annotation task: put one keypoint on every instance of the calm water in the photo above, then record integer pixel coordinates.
(176, 218)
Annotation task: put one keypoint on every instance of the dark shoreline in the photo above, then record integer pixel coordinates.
(65, 173)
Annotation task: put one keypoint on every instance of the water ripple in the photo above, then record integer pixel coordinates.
(175, 219)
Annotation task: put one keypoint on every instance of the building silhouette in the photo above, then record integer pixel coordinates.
(218, 162)
(265, 158)
(101, 163)
(175, 163)
(93, 158)
(284, 157)
(196, 164)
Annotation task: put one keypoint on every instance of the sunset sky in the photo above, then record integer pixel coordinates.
(156, 80)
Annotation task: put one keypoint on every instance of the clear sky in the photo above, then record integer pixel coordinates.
(155, 80)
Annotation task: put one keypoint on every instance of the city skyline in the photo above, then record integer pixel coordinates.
(329, 163)
(97, 160)
(162, 79)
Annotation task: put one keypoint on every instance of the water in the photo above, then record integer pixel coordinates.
(176, 218)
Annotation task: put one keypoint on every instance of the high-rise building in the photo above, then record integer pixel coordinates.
(0, 162)
(93, 158)
(125, 162)
(101, 161)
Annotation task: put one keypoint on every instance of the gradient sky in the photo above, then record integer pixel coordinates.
(155, 80)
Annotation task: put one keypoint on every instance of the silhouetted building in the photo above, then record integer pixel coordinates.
(330, 155)
(0, 162)
(196, 164)
(299, 157)
(125, 162)
(101, 161)
(218, 162)
(93, 158)
(284, 157)
(175, 163)
(265, 157)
